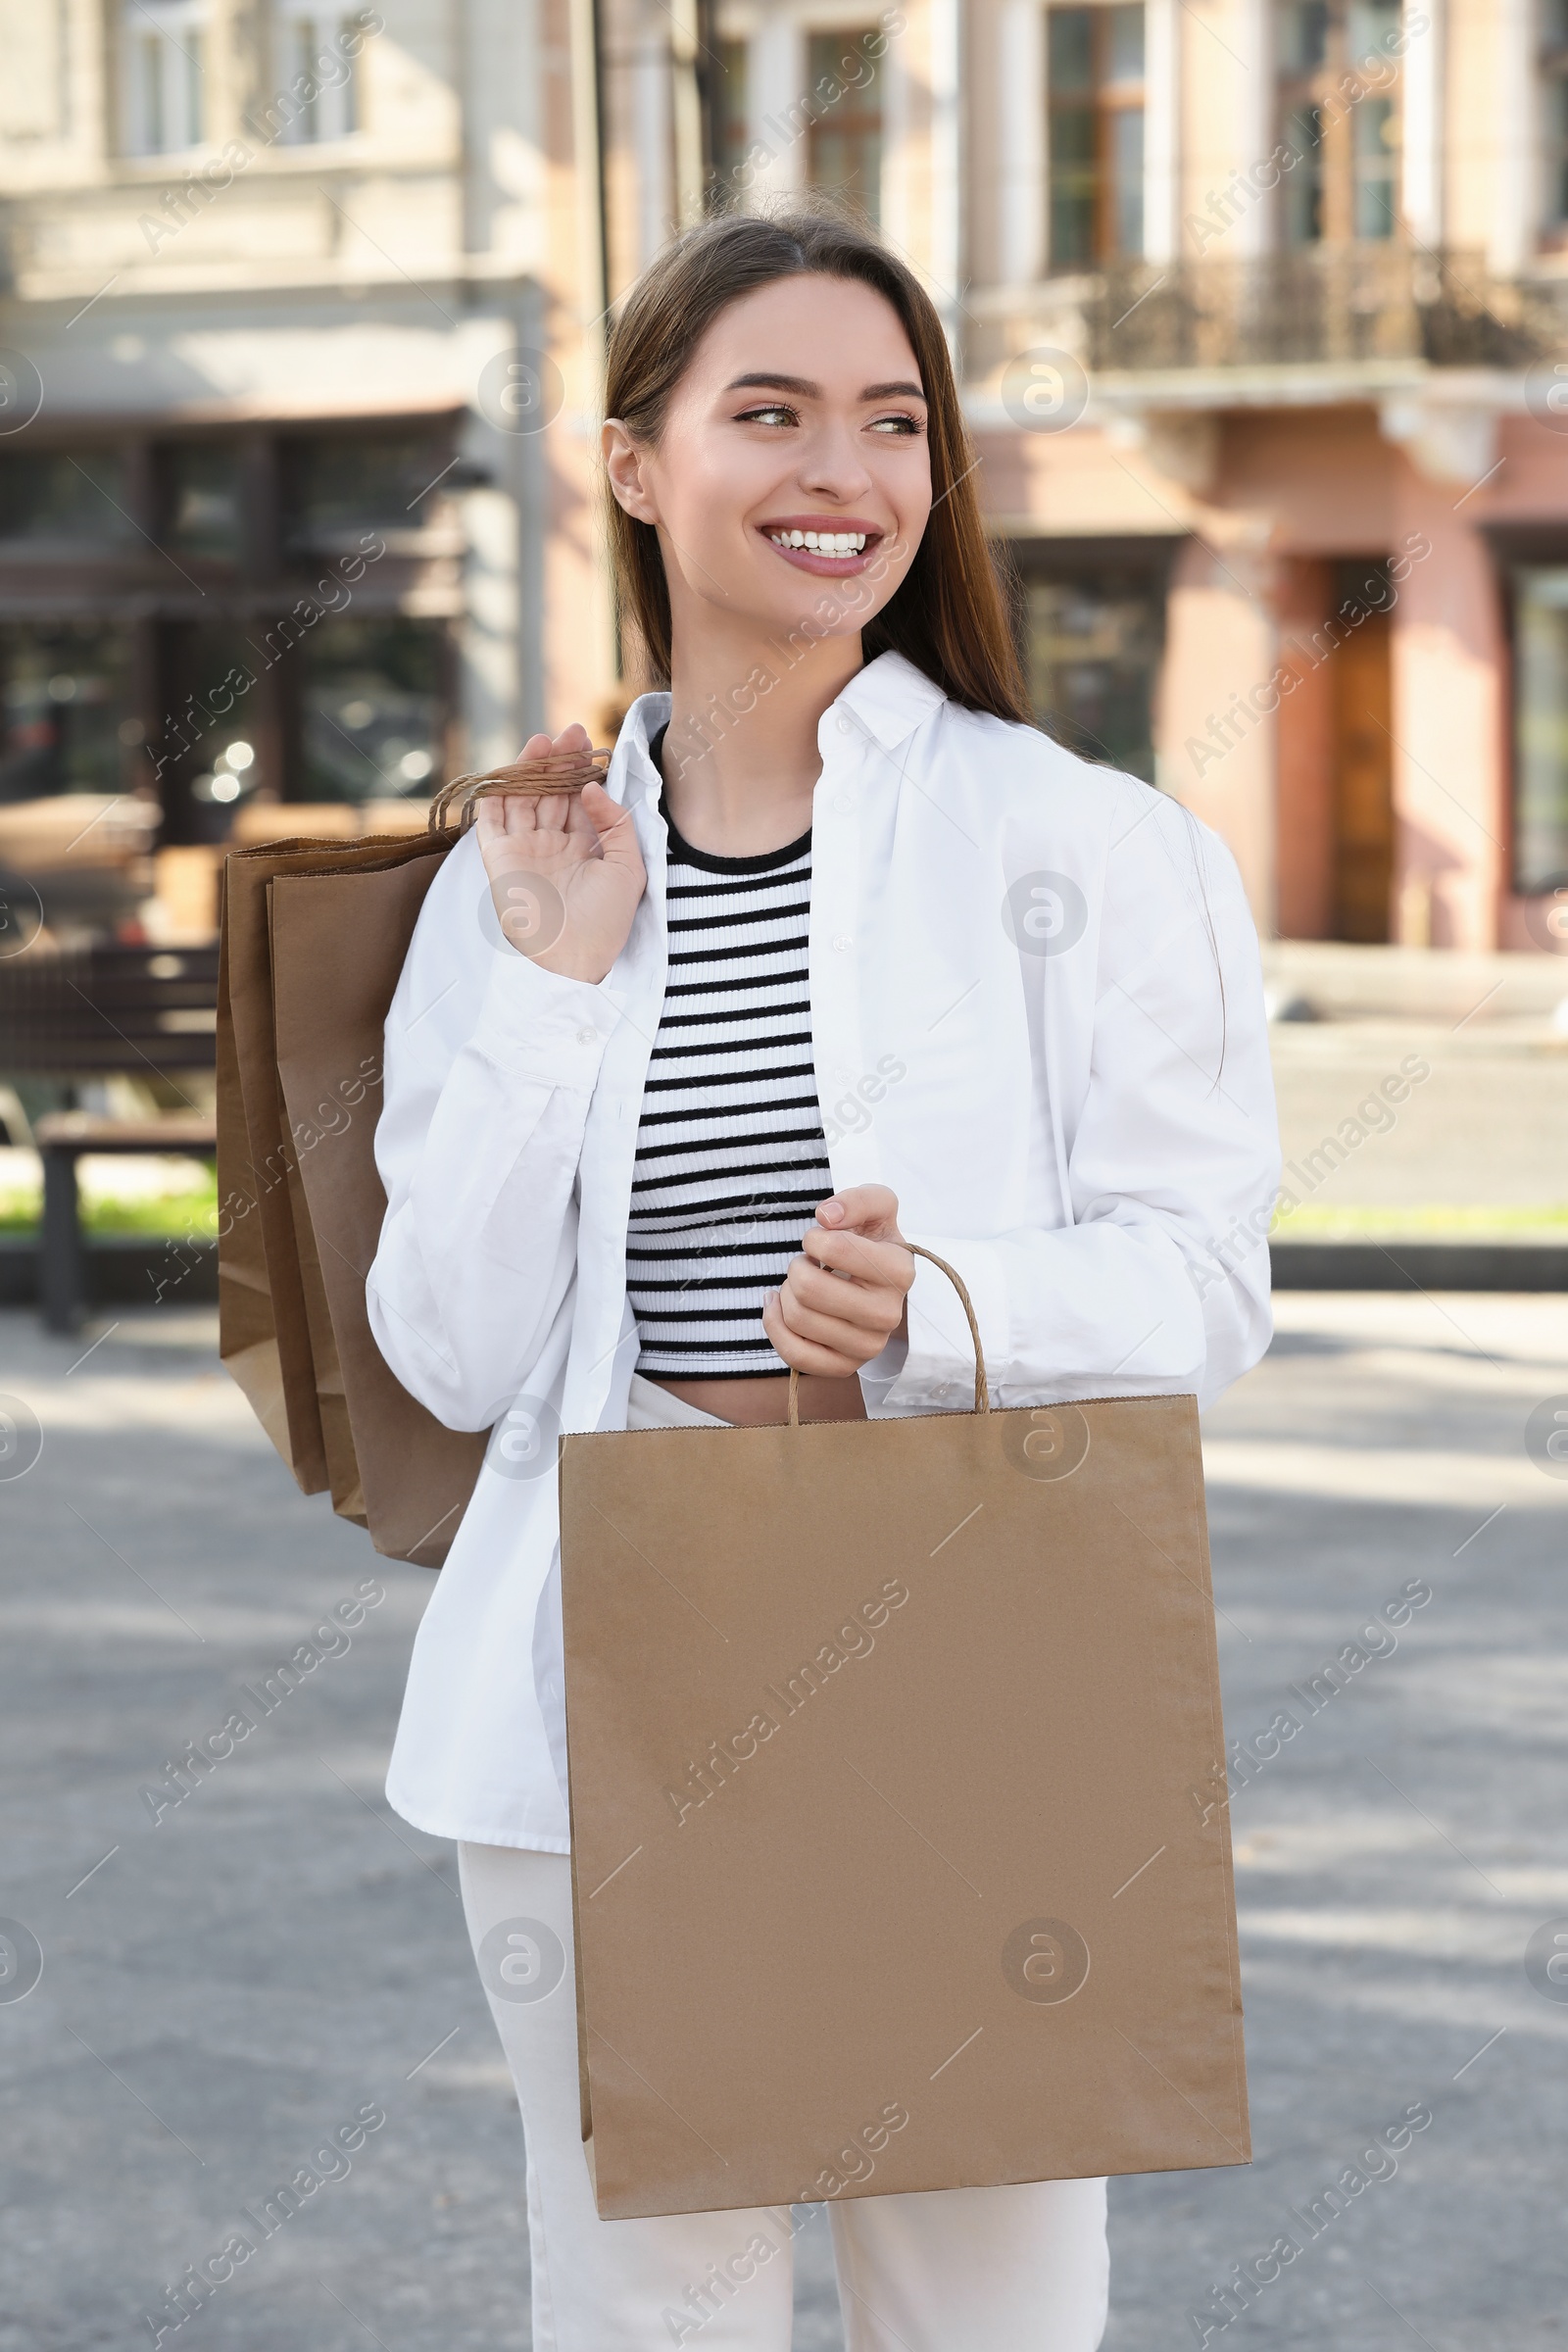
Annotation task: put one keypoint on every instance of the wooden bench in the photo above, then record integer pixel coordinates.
(69, 1012)
(95, 1011)
(63, 1137)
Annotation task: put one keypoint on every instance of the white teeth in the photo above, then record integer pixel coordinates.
(822, 543)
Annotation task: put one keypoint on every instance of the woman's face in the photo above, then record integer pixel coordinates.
(801, 419)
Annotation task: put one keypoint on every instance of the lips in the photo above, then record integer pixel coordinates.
(830, 545)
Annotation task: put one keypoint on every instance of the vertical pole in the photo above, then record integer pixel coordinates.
(588, 154)
(710, 96)
(62, 1288)
(944, 34)
(685, 37)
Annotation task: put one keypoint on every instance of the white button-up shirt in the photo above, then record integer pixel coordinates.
(1036, 1014)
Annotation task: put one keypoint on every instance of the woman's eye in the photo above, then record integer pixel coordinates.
(896, 425)
(775, 413)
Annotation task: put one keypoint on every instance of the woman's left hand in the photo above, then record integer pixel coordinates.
(844, 1298)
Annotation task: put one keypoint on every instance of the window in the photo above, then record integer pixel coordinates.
(1095, 84)
(372, 704)
(164, 62)
(343, 483)
(1541, 728)
(844, 144)
(1339, 113)
(215, 666)
(65, 708)
(202, 500)
(315, 50)
(1093, 631)
(210, 710)
(728, 102)
(1554, 129)
(78, 498)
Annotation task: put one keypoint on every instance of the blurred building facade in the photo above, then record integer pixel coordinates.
(1259, 304)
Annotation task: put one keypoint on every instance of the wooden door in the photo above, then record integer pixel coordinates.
(1363, 783)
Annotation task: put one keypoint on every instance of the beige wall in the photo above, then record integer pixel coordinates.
(1293, 491)
(1449, 785)
(1221, 645)
(390, 266)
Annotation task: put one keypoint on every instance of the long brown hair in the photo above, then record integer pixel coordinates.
(947, 616)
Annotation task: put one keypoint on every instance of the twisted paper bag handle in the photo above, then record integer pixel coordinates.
(552, 771)
(982, 1393)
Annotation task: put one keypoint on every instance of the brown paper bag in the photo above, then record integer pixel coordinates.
(891, 1746)
(304, 987)
(263, 1338)
(339, 939)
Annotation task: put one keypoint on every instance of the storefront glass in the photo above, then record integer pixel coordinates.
(1541, 728)
(67, 709)
(1093, 637)
(372, 709)
(76, 497)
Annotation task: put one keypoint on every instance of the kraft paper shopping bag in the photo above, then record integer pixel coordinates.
(891, 1746)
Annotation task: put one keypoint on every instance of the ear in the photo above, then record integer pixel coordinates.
(623, 462)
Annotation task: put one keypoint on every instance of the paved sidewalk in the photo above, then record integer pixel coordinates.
(278, 1954)
(1425, 1080)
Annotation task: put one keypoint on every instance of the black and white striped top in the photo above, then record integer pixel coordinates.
(731, 1159)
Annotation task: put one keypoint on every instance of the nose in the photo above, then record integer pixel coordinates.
(833, 466)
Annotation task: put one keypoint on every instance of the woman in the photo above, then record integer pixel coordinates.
(843, 951)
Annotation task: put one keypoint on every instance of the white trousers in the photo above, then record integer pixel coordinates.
(959, 2270)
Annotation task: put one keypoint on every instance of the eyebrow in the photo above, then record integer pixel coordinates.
(763, 382)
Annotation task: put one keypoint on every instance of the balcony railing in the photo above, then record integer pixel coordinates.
(1318, 305)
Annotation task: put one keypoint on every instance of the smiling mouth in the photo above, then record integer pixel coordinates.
(820, 547)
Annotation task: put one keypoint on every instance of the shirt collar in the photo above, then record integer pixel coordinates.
(632, 776)
(889, 697)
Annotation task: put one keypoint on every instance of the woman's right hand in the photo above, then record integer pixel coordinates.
(565, 871)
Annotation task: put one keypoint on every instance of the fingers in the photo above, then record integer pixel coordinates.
(820, 1323)
(805, 1354)
(537, 811)
(854, 1318)
(554, 812)
(869, 1209)
(499, 814)
(889, 1263)
(617, 835)
(867, 1305)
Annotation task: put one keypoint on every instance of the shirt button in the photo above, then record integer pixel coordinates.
(587, 1037)
(843, 942)
(843, 803)
(843, 724)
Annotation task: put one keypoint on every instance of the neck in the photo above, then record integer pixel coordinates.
(740, 759)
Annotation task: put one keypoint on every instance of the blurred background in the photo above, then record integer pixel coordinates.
(1261, 310)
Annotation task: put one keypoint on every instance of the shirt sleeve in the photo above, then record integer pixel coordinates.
(1161, 1281)
(490, 1069)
